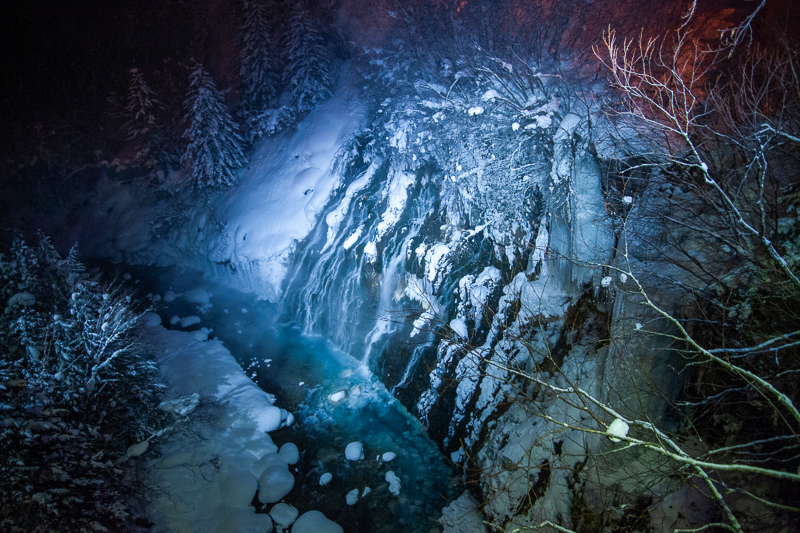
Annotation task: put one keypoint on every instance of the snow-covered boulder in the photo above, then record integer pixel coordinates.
(274, 483)
(316, 522)
(338, 396)
(267, 460)
(189, 321)
(283, 515)
(325, 478)
(289, 453)
(151, 319)
(197, 296)
(394, 482)
(354, 451)
(388, 456)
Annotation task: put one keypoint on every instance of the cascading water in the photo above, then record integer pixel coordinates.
(334, 400)
(343, 291)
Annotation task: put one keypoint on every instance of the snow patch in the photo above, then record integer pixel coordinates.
(397, 193)
(335, 217)
(352, 239)
(617, 430)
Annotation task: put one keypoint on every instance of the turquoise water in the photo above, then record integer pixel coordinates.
(303, 372)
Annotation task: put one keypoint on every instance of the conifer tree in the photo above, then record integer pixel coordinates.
(142, 107)
(259, 81)
(215, 146)
(308, 60)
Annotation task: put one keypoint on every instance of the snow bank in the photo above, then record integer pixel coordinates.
(205, 472)
(281, 195)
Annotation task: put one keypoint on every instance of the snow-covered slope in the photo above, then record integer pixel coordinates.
(281, 194)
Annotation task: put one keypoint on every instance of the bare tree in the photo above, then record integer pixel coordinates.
(705, 271)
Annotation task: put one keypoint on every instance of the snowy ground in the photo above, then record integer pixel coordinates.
(210, 466)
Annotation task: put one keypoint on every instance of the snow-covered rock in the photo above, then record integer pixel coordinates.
(462, 516)
(325, 478)
(388, 457)
(181, 406)
(315, 522)
(284, 515)
(274, 483)
(151, 319)
(459, 327)
(289, 453)
(393, 481)
(268, 460)
(197, 296)
(189, 321)
(354, 451)
(338, 396)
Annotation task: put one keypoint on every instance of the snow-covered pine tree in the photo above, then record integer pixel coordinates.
(215, 146)
(141, 108)
(259, 79)
(308, 60)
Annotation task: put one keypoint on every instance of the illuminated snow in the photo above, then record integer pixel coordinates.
(282, 192)
(617, 430)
